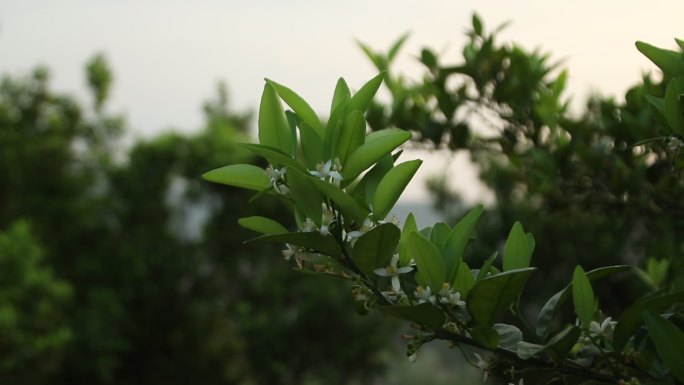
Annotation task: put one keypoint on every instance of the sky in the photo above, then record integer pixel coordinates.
(168, 55)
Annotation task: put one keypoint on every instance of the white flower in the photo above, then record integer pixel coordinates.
(365, 227)
(604, 329)
(329, 170)
(308, 225)
(275, 176)
(289, 252)
(425, 295)
(327, 219)
(447, 296)
(393, 271)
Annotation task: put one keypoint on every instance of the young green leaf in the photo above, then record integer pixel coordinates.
(392, 186)
(583, 297)
(352, 135)
(669, 342)
(350, 209)
(517, 250)
(491, 297)
(312, 146)
(486, 266)
(362, 99)
(305, 195)
(670, 62)
(375, 248)
(440, 234)
(377, 145)
(274, 130)
(428, 260)
(262, 225)
(673, 107)
(300, 106)
(458, 239)
(240, 175)
(273, 155)
(557, 300)
(409, 226)
(463, 280)
(341, 94)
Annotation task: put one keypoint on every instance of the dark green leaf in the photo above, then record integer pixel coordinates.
(312, 146)
(440, 235)
(305, 195)
(463, 281)
(341, 94)
(392, 186)
(375, 248)
(631, 318)
(491, 297)
(486, 336)
(673, 107)
(409, 226)
(517, 250)
(670, 62)
(509, 336)
(583, 297)
(487, 266)
(560, 345)
(392, 53)
(428, 260)
(558, 299)
(350, 209)
(274, 130)
(262, 225)
(669, 342)
(458, 239)
(240, 175)
(526, 350)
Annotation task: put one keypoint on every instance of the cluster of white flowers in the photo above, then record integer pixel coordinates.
(393, 271)
(446, 296)
(300, 255)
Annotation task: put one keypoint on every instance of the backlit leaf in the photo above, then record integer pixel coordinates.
(428, 260)
(262, 225)
(583, 297)
(375, 248)
(240, 175)
(299, 106)
(274, 130)
(392, 186)
(377, 145)
(491, 297)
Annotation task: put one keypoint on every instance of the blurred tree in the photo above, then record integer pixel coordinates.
(576, 182)
(163, 289)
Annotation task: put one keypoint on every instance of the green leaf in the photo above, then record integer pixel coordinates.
(272, 154)
(305, 195)
(409, 226)
(392, 53)
(332, 133)
(486, 266)
(583, 297)
(463, 281)
(527, 350)
(352, 135)
(670, 62)
(422, 314)
(428, 260)
(362, 99)
(669, 342)
(299, 106)
(631, 318)
(486, 336)
(274, 130)
(312, 146)
(341, 94)
(680, 43)
(374, 249)
(392, 186)
(313, 240)
(458, 239)
(517, 250)
(262, 225)
(439, 235)
(369, 183)
(477, 24)
(240, 175)
(672, 107)
(350, 209)
(558, 299)
(560, 345)
(377, 145)
(491, 297)
(509, 336)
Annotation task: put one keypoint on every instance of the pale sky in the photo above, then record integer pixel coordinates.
(167, 55)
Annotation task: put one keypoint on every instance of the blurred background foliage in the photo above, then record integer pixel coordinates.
(119, 265)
